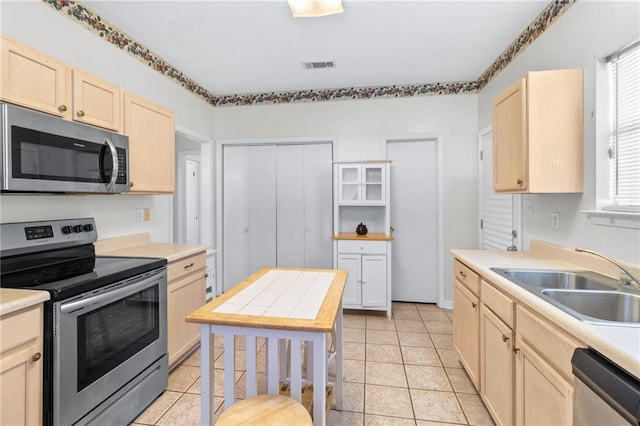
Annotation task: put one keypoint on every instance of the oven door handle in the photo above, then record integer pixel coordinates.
(110, 296)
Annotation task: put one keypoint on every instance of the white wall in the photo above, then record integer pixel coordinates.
(359, 126)
(588, 32)
(43, 28)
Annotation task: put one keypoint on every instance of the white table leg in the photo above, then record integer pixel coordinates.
(337, 345)
(251, 374)
(229, 369)
(207, 397)
(319, 378)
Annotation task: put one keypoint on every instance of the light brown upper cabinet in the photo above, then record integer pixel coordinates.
(37, 81)
(34, 80)
(96, 102)
(151, 132)
(538, 134)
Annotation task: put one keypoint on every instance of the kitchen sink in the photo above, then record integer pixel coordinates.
(573, 280)
(586, 295)
(613, 306)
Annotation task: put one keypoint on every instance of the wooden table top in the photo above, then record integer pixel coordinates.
(235, 308)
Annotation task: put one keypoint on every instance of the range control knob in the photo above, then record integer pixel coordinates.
(77, 228)
(88, 227)
(67, 229)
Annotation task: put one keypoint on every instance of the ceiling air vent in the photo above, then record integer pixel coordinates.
(319, 65)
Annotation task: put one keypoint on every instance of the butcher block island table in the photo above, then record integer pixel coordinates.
(282, 305)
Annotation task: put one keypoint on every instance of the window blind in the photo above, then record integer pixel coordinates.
(624, 151)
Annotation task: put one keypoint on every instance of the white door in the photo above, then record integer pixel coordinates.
(414, 207)
(318, 201)
(249, 211)
(290, 202)
(499, 213)
(374, 280)
(192, 201)
(352, 289)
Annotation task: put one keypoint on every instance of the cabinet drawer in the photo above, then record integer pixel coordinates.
(19, 328)
(467, 277)
(552, 344)
(363, 247)
(185, 266)
(500, 304)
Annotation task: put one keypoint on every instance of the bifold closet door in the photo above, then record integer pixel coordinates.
(304, 205)
(249, 209)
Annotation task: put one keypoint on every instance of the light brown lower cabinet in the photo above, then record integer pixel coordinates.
(21, 367)
(185, 294)
(466, 330)
(542, 396)
(497, 366)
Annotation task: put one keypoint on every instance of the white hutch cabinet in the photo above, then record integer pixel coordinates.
(361, 195)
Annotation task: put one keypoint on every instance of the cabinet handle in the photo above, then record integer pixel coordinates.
(80, 113)
(206, 275)
(62, 108)
(463, 275)
(519, 182)
(36, 356)
(474, 305)
(189, 266)
(516, 350)
(505, 338)
(130, 184)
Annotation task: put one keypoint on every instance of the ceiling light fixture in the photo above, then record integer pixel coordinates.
(313, 8)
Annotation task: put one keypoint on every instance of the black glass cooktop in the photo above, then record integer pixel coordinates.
(69, 272)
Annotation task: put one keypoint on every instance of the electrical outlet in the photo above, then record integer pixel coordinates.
(555, 220)
(528, 206)
(139, 215)
(147, 215)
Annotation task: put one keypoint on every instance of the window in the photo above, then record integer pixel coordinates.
(624, 147)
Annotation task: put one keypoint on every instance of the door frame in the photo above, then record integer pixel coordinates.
(220, 143)
(517, 198)
(206, 186)
(437, 139)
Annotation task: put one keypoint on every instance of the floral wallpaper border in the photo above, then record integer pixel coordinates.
(107, 31)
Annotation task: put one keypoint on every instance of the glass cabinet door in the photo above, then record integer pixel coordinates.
(373, 184)
(350, 191)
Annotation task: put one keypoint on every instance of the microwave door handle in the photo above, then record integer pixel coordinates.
(114, 159)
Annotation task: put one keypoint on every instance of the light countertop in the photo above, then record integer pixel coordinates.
(620, 344)
(138, 245)
(12, 300)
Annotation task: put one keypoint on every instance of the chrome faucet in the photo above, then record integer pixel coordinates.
(631, 280)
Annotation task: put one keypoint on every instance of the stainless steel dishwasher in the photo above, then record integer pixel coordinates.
(604, 394)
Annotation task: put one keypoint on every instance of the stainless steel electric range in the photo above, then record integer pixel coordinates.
(105, 327)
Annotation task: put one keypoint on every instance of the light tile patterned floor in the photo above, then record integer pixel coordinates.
(402, 371)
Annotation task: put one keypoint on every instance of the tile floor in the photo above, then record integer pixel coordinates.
(402, 371)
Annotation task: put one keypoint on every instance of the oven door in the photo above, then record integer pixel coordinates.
(103, 340)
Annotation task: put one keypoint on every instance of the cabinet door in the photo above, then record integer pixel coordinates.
(151, 132)
(374, 280)
(183, 297)
(349, 184)
(352, 263)
(543, 397)
(34, 80)
(373, 184)
(96, 102)
(466, 330)
(21, 367)
(497, 365)
(509, 139)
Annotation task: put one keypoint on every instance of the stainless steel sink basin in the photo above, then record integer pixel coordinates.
(616, 306)
(573, 280)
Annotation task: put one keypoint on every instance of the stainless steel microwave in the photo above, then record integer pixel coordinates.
(41, 153)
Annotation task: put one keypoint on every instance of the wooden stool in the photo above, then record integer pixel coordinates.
(265, 410)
